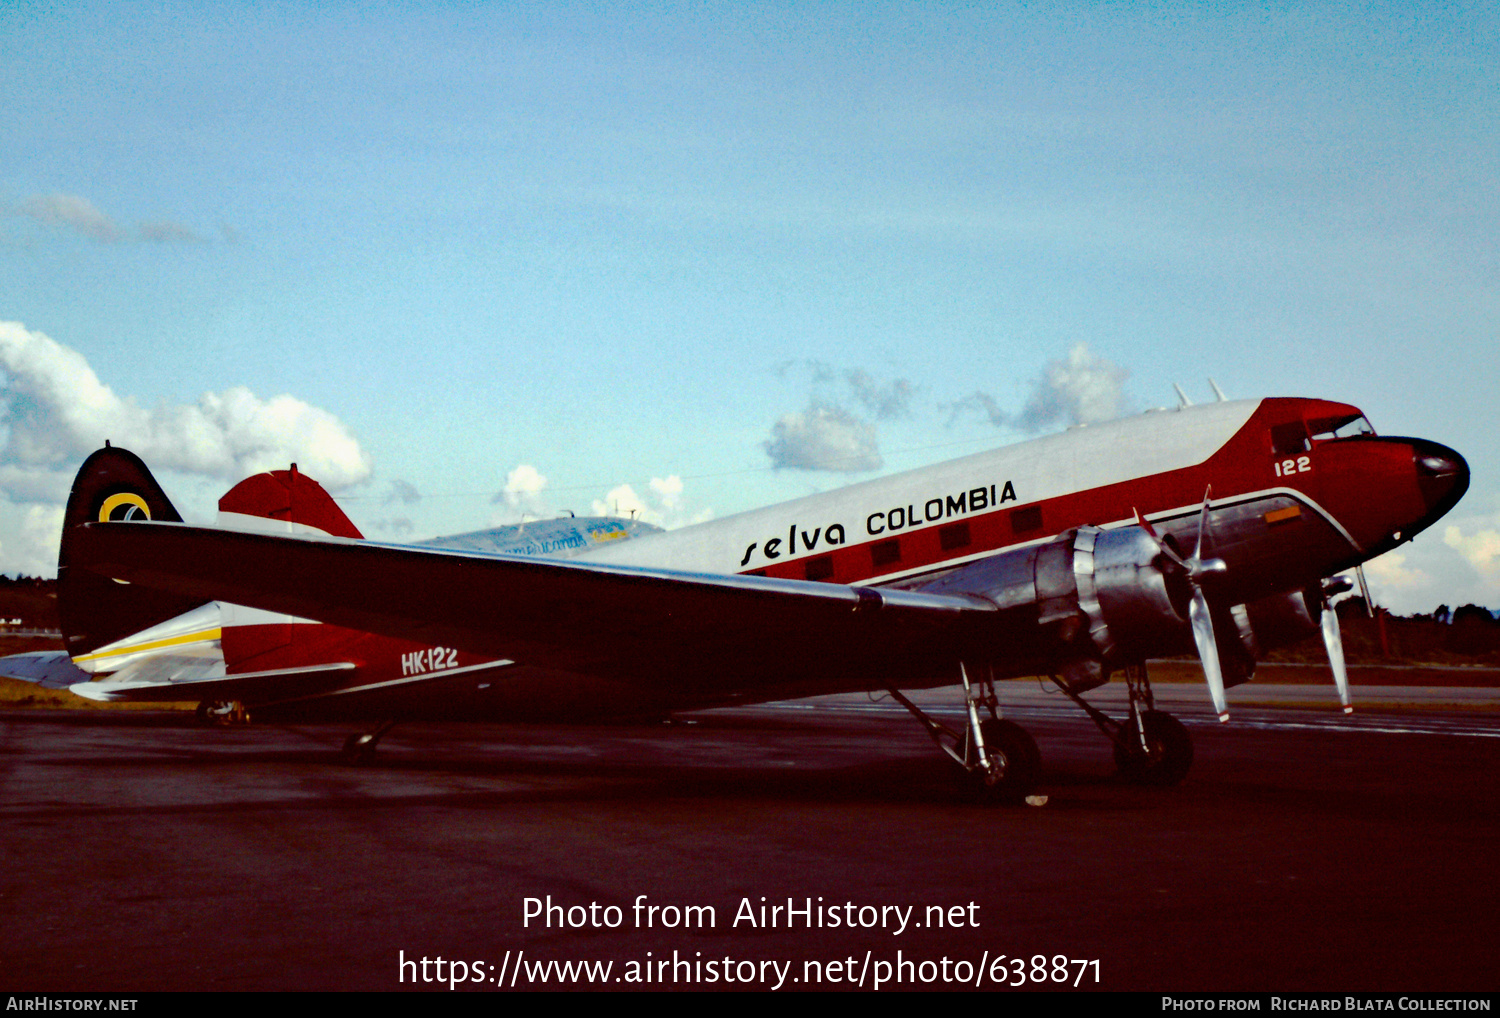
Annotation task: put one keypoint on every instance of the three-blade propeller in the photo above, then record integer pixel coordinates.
(1200, 568)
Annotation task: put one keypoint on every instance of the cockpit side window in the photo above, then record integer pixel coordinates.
(1326, 429)
(1289, 439)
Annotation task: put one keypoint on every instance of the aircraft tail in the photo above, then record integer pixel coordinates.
(112, 485)
(115, 485)
(279, 502)
(158, 646)
(284, 501)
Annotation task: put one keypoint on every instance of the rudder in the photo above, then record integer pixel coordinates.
(112, 485)
(289, 498)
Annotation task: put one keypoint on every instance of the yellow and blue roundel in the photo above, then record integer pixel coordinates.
(125, 505)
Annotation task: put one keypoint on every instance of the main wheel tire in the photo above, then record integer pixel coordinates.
(1168, 756)
(1020, 762)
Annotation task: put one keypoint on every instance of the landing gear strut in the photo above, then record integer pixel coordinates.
(222, 712)
(1000, 760)
(1167, 752)
(359, 748)
(1151, 746)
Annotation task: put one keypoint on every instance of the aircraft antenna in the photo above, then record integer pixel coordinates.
(1182, 397)
(1217, 391)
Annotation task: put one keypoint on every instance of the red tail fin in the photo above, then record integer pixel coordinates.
(288, 496)
(286, 500)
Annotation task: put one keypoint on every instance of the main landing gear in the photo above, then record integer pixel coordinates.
(999, 758)
(1151, 746)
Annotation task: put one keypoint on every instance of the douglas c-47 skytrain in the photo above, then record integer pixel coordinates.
(1213, 529)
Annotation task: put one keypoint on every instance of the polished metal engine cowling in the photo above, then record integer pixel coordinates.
(1100, 597)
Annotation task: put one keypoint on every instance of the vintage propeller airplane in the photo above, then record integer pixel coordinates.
(1213, 528)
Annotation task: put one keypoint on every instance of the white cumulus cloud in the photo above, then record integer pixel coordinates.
(621, 500)
(523, 490)
(1481, 549)
(31, 538)
(1080, 388)
(662, 504)
(1389, 576)
(54, 411)
(668, 490)
(823, 438)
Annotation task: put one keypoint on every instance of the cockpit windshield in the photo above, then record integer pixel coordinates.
(1326, 429)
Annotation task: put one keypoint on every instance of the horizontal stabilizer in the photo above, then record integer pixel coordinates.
(159, 687)
(51, 669)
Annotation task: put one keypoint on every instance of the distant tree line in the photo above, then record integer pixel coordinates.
(30, 599)
(1463, 635)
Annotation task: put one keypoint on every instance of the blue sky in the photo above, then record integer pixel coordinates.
(421, 247)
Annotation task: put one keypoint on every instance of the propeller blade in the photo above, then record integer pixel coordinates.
(1333, 640)
(1208, 651)
(1161, 545)
(1198, 569)
(1205, 534)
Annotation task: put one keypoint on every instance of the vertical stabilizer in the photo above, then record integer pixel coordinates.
(289, 499)
(283, 502)
(113, 485)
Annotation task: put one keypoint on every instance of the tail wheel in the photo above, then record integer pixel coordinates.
(222, 712)
(1168, 754)
(359, 749)
(1018, 761)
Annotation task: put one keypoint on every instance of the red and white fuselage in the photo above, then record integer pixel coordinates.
(1300, 488)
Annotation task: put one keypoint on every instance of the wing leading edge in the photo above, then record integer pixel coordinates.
(728, 635)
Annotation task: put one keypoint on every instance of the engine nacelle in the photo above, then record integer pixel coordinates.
(1279, 620)
(1100, 597)
(1129, 591)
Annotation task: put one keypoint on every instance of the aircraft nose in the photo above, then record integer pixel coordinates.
(1442, 476)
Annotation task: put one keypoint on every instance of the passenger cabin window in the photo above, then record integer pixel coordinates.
(883, 553)
(820, 568)
(1026, 520)
(954, 535)
(1289, 439)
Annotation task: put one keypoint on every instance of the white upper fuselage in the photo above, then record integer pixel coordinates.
(1012, 476)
